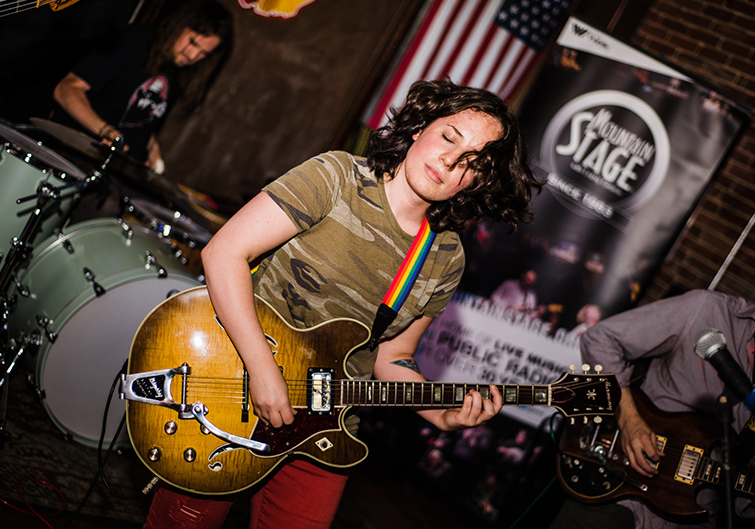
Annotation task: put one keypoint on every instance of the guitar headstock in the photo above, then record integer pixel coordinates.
(586, 394)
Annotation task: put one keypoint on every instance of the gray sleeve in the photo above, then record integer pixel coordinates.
(644, 332)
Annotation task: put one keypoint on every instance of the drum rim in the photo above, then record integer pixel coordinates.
(109, 283)
(78, 228)
(67, 313)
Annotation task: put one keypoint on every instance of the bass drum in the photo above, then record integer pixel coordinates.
(24, 165)
(81, 298)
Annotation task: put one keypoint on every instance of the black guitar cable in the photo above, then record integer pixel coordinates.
(100, 460)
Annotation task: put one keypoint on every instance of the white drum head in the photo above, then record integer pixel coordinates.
(79, 367)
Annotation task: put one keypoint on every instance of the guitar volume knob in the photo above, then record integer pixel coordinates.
(190, 455)
(171, 427)
(154, 454)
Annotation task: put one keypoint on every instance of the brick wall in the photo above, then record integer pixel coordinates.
(713, 41)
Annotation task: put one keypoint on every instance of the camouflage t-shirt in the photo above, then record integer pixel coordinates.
(347, 252)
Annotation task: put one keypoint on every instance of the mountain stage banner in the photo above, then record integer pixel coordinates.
(627, 146)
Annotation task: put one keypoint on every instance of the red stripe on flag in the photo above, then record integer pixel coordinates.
(446, 28)
(462, 40)
(514, 84)
(480, 53)
(500, 59)
(382, 106)
(503, 90)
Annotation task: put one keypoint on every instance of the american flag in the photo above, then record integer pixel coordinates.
(489, 44)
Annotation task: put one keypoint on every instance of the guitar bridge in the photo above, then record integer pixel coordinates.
(153, 387)
(319, 391)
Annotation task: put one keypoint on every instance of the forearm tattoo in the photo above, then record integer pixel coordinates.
(409, 364)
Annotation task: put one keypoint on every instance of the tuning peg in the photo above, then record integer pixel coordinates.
(597, 419)
(585, 368)
(572, 368)
(598, 368)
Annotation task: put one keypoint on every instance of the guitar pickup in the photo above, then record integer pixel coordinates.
(688, 463)
(319, 391)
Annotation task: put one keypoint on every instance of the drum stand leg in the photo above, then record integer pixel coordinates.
(3, 413)
(7, 367)
(19, 252)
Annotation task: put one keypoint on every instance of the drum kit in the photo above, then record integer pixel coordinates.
(73, 292)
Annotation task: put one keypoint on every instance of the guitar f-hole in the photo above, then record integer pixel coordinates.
(245, 400)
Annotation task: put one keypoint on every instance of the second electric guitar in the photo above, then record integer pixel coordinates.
(592, 467)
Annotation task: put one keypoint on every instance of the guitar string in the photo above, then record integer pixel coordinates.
(673, 454)
(232, 382)
(22, 5)
(231, 390)
(606, 443)
(523, 389)
(236, 379)
(228, 390)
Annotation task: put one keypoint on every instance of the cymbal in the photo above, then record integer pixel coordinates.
(128, 170)
(121, 164)
(28, 146)
(83, 143)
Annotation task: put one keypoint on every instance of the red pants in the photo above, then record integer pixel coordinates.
(299, 496)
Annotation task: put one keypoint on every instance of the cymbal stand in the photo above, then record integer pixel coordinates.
(725, 415)
(18, 253)
(20, 248)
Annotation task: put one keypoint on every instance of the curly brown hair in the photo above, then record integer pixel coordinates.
(206, 17)
(503, 182)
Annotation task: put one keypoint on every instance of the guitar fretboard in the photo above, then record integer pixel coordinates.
(711, 471)
(431, 394)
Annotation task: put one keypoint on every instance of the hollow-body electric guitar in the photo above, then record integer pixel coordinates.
(592, 467)
(190, 418)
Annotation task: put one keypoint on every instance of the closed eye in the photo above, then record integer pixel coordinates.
(195, 44)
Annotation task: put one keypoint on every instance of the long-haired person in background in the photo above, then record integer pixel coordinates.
(332, 234)
(124, 93)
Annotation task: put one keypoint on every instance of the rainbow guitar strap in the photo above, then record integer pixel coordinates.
(403, 282)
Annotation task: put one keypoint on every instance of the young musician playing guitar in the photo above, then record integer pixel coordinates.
(332, 234)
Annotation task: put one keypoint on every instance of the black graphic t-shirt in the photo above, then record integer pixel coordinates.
(123, 95)
(148, 104)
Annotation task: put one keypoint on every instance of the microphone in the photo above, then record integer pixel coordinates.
(710, 345)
